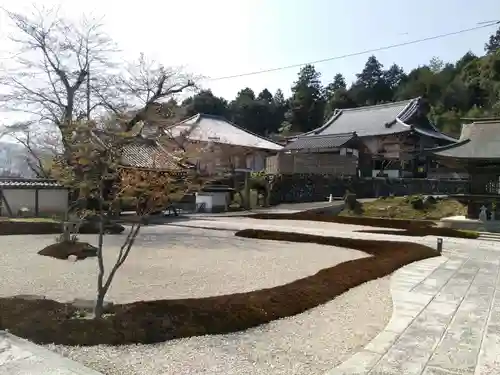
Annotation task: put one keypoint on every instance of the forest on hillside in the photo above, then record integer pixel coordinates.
(468, 87)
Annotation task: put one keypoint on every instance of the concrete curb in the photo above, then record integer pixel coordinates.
(20, 356)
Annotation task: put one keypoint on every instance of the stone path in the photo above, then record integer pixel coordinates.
(446, 319)
(18, 356)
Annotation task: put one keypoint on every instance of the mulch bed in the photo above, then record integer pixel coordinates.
(350, 220)
(412, 228)
(27, 227)
(8, 228)
(47, 321)
(62, 250)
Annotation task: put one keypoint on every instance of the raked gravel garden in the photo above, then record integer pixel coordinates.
(191, 263)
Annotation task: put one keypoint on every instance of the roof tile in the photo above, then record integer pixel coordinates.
(29, 183)
(367, 121)
(146, 153)
(319, 142)
(202, 127)
(479, 140)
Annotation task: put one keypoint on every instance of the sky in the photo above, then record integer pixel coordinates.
(219, 38)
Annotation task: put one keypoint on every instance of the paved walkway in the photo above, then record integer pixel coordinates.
(446, 319)
(18, 356)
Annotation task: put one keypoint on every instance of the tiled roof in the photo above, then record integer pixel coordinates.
(148, 155)
(479, 140)
(35, 183)
(144, 153)
(382, 119)
(320, 142)
(202, 127)
(367, 121)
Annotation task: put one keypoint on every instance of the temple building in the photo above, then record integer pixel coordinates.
(381, 140)
(478, 153)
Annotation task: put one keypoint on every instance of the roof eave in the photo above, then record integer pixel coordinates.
(221, 118)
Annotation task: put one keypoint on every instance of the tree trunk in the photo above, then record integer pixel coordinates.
(66, 231)
(99, 304)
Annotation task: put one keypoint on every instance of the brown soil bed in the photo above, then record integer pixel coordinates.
(350, 220)
(45, 227)
(48, 321)
(27, 227)
(62, 250)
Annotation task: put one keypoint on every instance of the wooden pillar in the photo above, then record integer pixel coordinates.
(37, 208)
(247, 190)
(471, 211)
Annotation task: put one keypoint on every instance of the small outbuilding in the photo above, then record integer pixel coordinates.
(32, 198)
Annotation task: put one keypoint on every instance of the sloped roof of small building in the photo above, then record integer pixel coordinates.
(29, 183)
(381, 119)
(320, 142)
(205, 128)
(144, 153)
(479, 140)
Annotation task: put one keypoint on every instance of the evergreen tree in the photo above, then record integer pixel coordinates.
(307, 103)
(493, 44)
(205, 102)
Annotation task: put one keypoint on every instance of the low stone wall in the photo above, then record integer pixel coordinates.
(300, 188)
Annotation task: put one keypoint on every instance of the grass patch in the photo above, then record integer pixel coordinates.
(48, 321)
(405, 208)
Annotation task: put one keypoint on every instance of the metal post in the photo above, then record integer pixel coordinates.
(439, 245)
(248, 205)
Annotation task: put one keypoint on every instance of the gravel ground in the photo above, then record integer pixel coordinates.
(167, 262)
(306, 344)
(174, 262)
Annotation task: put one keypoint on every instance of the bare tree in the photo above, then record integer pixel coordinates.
(49, 76)
(97, 173)
(142, 92)
(41, 142)
(63, 71)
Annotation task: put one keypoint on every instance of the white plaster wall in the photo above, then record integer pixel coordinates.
(372, 144)
(204, 198)
(17, 199)
(52, 201)
(212, 200)
(219, 199)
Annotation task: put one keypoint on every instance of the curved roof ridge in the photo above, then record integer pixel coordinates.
(333, 117)
(352, 134)
(200, 116)
(408, 111)
(485, 122)
(450, 146)
(376, 106)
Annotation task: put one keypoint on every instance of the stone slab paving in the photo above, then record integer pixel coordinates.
(446, 319)
(21, 357)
